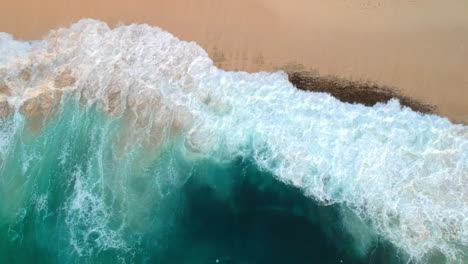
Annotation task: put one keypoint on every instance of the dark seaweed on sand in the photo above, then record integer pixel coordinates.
(365, 93)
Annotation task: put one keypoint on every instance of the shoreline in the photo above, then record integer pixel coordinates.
(419, 47)
(131, 114)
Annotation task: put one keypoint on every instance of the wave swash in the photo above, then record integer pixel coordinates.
(99, 126)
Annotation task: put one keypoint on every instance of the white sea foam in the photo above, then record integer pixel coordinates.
(404, 173)
(85, 209)
(10, 48)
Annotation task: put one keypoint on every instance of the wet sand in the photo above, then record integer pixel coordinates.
(419, 47)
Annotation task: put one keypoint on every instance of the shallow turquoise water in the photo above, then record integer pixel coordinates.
(74, 198)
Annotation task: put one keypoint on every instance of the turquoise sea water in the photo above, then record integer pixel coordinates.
(127, 145)
(72, 200)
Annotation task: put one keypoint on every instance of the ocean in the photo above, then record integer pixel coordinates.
(127, 145)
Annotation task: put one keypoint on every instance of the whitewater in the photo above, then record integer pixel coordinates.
(99, 125)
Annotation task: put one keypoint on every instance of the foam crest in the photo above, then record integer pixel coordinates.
(403, 173)
(10, 48)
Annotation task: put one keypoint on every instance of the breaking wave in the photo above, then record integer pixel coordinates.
(100, 127)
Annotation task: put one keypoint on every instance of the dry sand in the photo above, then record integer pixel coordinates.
(417, 46)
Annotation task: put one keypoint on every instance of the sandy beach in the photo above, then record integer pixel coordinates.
(418, 47)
